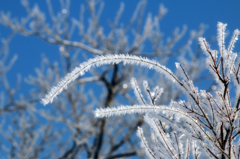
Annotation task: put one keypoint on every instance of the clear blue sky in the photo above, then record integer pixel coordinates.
(180, 12)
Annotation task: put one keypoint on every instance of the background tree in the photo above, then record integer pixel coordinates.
(67, 128)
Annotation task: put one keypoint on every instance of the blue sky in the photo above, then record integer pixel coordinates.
(180, 12)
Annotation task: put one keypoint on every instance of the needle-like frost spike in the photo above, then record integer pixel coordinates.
(221, 38)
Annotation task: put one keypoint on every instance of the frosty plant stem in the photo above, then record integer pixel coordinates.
(207, 120)
(103, 60)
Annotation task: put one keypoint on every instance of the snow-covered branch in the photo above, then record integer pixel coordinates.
(104, 60)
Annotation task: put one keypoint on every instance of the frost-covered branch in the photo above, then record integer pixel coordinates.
(109, 59)
(208, 119)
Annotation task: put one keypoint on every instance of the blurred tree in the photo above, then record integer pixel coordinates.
(67, 128)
